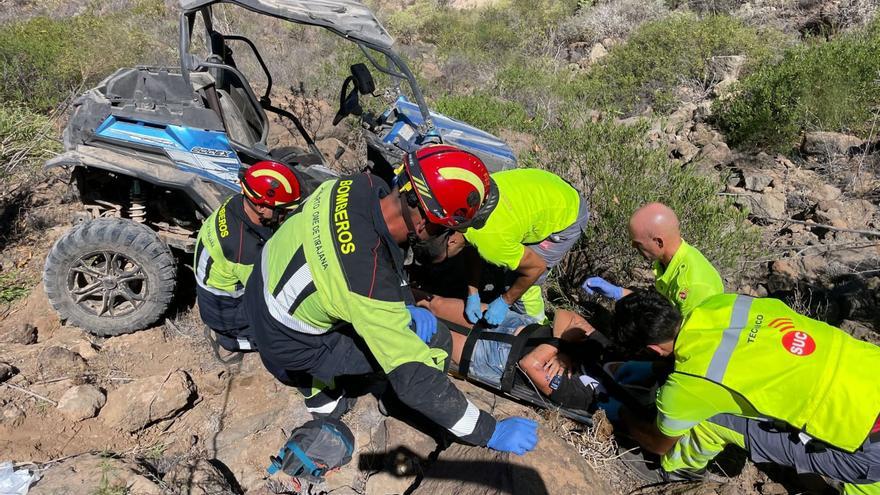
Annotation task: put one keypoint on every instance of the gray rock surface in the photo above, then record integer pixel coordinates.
(82, 402)
(828, 143)
(89, 473)
(25, 334)
(143, 402)
(196, 477)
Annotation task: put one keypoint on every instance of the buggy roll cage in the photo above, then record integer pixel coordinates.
(394, 67)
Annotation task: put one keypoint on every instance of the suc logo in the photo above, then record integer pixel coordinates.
(794, 341)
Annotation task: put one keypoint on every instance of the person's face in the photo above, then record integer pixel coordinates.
(263, 213)
(650, 248)
(454, 245)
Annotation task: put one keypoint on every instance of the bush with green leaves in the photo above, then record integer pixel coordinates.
(830, 86)
(659, 57)
(615, 170)
(27, 139)
(487, 112)
(43, 60)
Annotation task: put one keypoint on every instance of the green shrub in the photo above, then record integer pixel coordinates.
(661, 56)
(13, 286)
(617, 173)
(26, 139)
(486, 112)
(43, 60)
(819, 86)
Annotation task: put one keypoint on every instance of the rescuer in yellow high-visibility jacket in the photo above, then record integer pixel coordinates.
(744, 363)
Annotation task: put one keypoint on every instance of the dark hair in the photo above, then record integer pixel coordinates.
(644, 317)
(427, 251)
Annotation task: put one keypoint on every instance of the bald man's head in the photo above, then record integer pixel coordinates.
(655, 232)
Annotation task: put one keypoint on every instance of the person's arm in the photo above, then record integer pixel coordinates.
(531, 267)
(475, 269)
(217, 292)
(571, 327)
(646, 433)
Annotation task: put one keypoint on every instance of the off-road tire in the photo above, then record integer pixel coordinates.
(76, 259)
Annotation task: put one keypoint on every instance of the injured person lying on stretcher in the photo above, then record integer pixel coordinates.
(492, 355)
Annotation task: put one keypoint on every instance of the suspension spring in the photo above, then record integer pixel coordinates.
(138, 209)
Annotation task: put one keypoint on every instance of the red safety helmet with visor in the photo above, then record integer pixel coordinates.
(451, 184)
(271, 184)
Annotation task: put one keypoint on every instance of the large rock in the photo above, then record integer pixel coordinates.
(196, 477)
(82, 402)
(769, 204)
(143, 402)
(25, 334)
(714, 154)
(828, 143)
(90, 473)
(58, 361)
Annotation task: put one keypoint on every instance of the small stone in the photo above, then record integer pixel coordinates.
(756, 181)
(12, 414)
(715, 154)
(86, 349)
(773, 489)
(82, 402)
(7, 371)
(597, 52)
(25, 334)
(684, 151)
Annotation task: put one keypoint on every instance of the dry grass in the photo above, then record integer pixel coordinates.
(597, 445)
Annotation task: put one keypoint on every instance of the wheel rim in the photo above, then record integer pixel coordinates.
(107, 284)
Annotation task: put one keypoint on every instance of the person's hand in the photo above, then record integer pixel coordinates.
(425, 322)
(552, 368)
(515, 434)
(635, 373)
(497, 311)
(599, 285)
(472, 309)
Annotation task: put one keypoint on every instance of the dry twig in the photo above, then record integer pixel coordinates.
(32, 394)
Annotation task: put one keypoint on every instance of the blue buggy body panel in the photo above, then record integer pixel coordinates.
(495, 152)
(207, 154)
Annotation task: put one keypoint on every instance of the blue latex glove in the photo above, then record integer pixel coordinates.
(517, 435)
(424, 321)
(598, 284)
(635, 373)
(612, 409)
(472, 309)
(497, 311)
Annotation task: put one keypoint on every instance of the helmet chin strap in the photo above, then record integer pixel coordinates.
(411, 236)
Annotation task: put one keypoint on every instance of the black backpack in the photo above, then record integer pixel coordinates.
(314, 448)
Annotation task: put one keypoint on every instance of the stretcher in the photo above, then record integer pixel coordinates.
(515, 384)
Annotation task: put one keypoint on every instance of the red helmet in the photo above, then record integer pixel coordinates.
(450, 184)
(271, 184)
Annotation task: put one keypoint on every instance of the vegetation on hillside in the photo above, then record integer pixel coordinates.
(505, 67)
(44, 61)
(833, 86)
